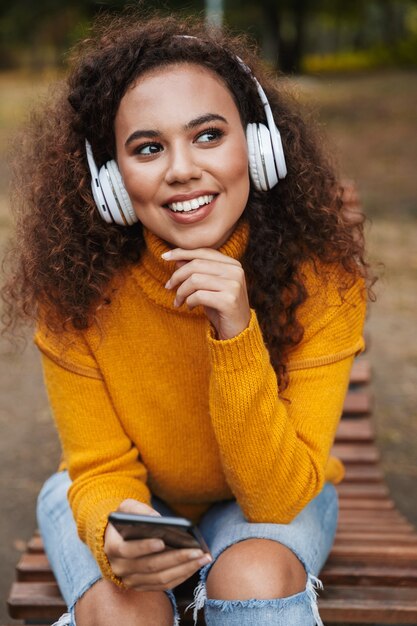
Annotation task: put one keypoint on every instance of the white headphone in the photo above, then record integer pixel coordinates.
(265, 152)
(266, 167)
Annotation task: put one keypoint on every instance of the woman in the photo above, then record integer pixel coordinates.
(199, 297)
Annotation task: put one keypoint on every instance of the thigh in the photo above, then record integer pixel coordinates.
(73, 564)
(309, 536)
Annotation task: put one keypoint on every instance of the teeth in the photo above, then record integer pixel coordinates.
(190, 205)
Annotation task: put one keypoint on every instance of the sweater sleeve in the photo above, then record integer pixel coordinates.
(101, 459)
(275, 448)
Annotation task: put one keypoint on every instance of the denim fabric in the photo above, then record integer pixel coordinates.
(72, 562)
(310, 536)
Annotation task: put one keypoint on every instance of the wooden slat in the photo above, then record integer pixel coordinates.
(363, 490)
(393, 516)
(374, 552)
(377, 528)
(352, 429)
(372, 537)
(362, 504)
(368, 524)
(358, 403)
(356, 453)
(38, 600)
(34, 567)
(369, 574)
(361, 372)
(385, 605)
(359, 473)
(35, 544)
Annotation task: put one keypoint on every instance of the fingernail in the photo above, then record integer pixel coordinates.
(176, 303)
(157, 545)
(206, 559)
(194, 554)
(168, 284)
(166, 255)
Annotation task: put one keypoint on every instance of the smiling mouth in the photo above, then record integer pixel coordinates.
(190, 205)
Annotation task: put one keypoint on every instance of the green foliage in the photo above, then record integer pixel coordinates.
(295, 35)
(37, 33)
(402, 54)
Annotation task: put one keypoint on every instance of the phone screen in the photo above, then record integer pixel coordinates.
(176, 532)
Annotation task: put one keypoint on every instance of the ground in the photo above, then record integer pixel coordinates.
(371, 121)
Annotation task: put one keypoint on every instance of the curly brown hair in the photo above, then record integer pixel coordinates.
(65, 256)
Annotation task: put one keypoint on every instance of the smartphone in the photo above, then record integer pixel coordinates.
(176, 532)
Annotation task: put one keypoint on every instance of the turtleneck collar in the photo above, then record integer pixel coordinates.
(152, 272)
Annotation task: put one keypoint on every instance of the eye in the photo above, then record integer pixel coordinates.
(210, 135)
(147, 149)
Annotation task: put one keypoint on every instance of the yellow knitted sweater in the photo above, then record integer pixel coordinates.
(149, 401)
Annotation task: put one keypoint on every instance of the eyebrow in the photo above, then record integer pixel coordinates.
(198, 121)
(203, 119)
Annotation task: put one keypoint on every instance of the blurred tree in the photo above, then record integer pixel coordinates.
(40, 31)
(284, 31)
(286, 24)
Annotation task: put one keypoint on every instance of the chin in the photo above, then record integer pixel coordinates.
(201, 240)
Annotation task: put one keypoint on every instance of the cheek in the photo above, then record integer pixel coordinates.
(239, 174)
(139, 186)
(238, 163)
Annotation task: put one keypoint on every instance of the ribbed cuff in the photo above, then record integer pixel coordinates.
(241, 351)
(95, 536)
(93, 525)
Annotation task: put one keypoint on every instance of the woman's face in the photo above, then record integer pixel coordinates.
(182, 154)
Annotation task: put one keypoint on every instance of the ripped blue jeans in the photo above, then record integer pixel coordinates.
(309, 536)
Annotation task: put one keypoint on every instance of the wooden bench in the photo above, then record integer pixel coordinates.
(371, 574)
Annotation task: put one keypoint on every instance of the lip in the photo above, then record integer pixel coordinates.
(184, 197)
(193, 216)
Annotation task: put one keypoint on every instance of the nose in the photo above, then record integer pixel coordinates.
(182, 165)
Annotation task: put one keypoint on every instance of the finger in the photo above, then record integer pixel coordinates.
(172, 584)
(133, 549)
(180, 254)
(167, 578)
(134, 506)
(154, 563)
(202, 266)
(221, 301)
(198, 282)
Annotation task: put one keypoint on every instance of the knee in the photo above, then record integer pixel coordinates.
(105, 604)
(259, 569)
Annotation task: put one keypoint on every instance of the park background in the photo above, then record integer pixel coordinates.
(354, 67)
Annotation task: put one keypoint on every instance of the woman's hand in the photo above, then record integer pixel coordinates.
(215, 281)
(143, 564)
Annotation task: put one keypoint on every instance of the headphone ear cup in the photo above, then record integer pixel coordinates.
(278, 150)
(122, 197)
(266, 156)
(100, 200)
(261, 157)
(96, 189)
(255, 168)
(109, 197)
